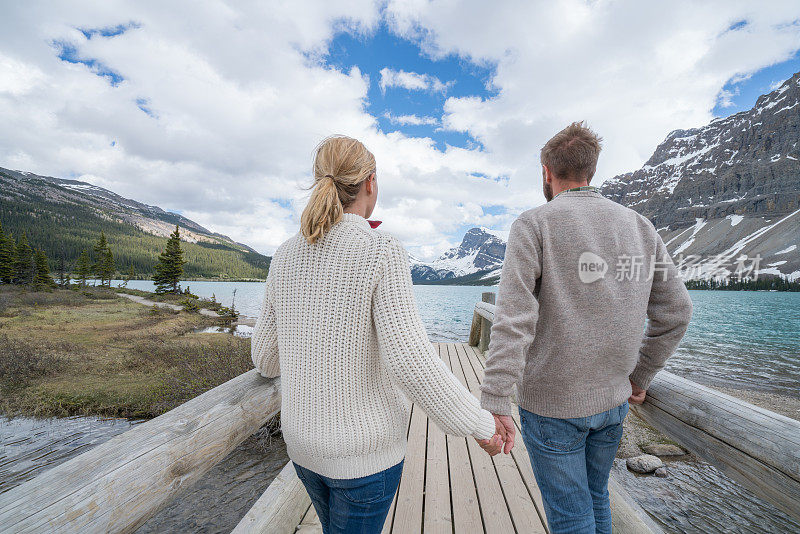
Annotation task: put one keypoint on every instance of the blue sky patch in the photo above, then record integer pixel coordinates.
(414, 111)
(68, 52)
(144, 105)
(109, 31)
(740, 95)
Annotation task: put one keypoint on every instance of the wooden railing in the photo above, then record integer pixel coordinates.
(118, 485)
(758, 448)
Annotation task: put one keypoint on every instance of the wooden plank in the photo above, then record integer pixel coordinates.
(494, 509)
(464, 497)
(279, 509)
(438, 517)
(389, 523)
(520, 451)
(408, 512)
(520, 501)
(118, 485)
(310, 523)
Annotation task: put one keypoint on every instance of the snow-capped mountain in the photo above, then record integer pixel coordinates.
(728, 189)
(478, 257)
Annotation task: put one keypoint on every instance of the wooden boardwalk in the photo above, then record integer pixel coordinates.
(450, 484)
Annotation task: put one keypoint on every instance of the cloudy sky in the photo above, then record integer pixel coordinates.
(212, 109)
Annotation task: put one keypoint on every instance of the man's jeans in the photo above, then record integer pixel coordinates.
(351, 505)
(572, 459)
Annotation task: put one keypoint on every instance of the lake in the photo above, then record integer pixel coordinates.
(742, 339)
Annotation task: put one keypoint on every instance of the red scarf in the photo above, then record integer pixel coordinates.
(374, 224)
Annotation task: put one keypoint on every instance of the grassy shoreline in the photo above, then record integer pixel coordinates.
(91, 352)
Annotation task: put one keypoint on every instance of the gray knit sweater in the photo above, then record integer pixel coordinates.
(582, 275)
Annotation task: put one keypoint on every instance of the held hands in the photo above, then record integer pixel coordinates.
(504, 433)
(637, 395)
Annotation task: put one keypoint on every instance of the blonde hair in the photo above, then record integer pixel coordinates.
(341, 163)
(572, 153)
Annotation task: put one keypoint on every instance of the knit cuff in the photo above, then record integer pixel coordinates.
(496, 404)
(486, 427)
(642, 377)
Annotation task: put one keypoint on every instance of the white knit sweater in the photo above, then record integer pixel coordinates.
(340, 326)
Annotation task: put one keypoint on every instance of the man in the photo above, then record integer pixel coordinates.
(581, 276)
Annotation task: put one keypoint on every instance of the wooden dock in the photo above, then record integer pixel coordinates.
(450, 484)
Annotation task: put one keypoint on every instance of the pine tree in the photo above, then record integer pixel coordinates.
(24, 270)
(128, 277)
(6, 257)
(63, 277)
(107, 268)
(42, 277)
(84, 268)
(100, 249)
(170, 265)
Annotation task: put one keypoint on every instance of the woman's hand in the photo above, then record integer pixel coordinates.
(491, 446)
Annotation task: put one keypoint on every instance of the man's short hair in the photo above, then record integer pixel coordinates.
(572, 153)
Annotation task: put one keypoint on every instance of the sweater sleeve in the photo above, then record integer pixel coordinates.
(515, 317)
(264, 342)
(411, 359)
(669, 310)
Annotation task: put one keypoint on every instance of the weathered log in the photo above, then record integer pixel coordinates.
(117, 486)
(281, 507)
(758, 448)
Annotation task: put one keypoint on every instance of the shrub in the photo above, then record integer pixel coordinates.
(20, 362)
(190, 305)
(196, 368)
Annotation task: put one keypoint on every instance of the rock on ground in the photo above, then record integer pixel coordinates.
(644, 463)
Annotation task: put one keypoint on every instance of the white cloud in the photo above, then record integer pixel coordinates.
(634, 70)
(725, 97)
(239, 95)
(412, 81)
(411, 120)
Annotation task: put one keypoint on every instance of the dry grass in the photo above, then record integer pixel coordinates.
(75, 353)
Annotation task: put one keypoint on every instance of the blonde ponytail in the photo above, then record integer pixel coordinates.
(340, 165)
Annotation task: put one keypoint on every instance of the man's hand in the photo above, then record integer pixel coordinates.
(505, 427)
(491, 446)
(637, 395)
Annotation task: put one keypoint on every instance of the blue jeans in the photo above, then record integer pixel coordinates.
(351, 505)
(572, 460)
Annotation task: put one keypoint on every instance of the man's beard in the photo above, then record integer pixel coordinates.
(547, 189)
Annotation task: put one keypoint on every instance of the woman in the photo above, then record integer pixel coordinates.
(340, 326)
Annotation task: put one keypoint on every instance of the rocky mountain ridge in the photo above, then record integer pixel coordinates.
(64, 216)
(479, 257)
(726, 190)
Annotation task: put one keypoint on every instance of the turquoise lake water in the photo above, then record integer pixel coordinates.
(743, 339)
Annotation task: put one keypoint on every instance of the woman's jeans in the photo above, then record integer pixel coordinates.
(351, 505)
(572, 459)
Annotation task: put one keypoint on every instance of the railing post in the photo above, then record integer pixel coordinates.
(486, 326)
(475, 330)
